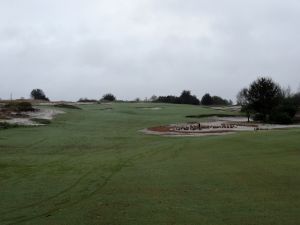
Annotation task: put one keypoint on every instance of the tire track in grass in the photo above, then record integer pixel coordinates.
(49, 198)
(63, 204)
(31, 145)
(36, 143)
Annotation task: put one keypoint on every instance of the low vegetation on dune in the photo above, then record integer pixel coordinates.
(18, 106)
(5, 125)
(15, 109)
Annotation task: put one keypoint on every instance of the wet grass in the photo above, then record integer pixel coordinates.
(93, 166)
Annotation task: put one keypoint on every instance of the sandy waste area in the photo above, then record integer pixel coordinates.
(214, 126)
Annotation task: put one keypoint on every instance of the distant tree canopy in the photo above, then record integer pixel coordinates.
(168, 99)
(207, 99)
(185, 98)
(296, 98)
(217, 100)
(86, 100)
(108, 97)
(38, 94)
(153, 98)
(267, 101)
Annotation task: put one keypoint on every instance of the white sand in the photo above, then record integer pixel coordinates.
(47, 114)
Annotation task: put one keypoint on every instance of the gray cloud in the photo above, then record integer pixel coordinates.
(137, 48)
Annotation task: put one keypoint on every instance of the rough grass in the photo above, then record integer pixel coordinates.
(93, 167)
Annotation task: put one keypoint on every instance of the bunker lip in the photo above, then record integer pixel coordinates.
(153, 131)
(171, 131)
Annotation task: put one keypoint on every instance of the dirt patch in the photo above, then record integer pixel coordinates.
(169, 133)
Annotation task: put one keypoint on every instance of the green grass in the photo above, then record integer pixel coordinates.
(93, 166)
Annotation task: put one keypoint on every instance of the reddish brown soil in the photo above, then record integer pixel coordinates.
(161, 129)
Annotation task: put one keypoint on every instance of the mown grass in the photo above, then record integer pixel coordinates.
(93, 166)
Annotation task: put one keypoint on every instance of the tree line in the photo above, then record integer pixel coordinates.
(187, 98)
(264, 100)
(39, 94)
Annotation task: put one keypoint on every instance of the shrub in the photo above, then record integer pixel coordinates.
(259, 117)
(285, 112)
(281, 118)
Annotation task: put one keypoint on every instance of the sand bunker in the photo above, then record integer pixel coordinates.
(222, 126)
(25, 118)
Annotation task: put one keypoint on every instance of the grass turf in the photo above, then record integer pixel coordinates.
(93, 166)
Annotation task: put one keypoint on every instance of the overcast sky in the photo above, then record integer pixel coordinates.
(137, 48)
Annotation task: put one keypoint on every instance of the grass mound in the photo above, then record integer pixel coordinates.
(67, 106)
(41, 121)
